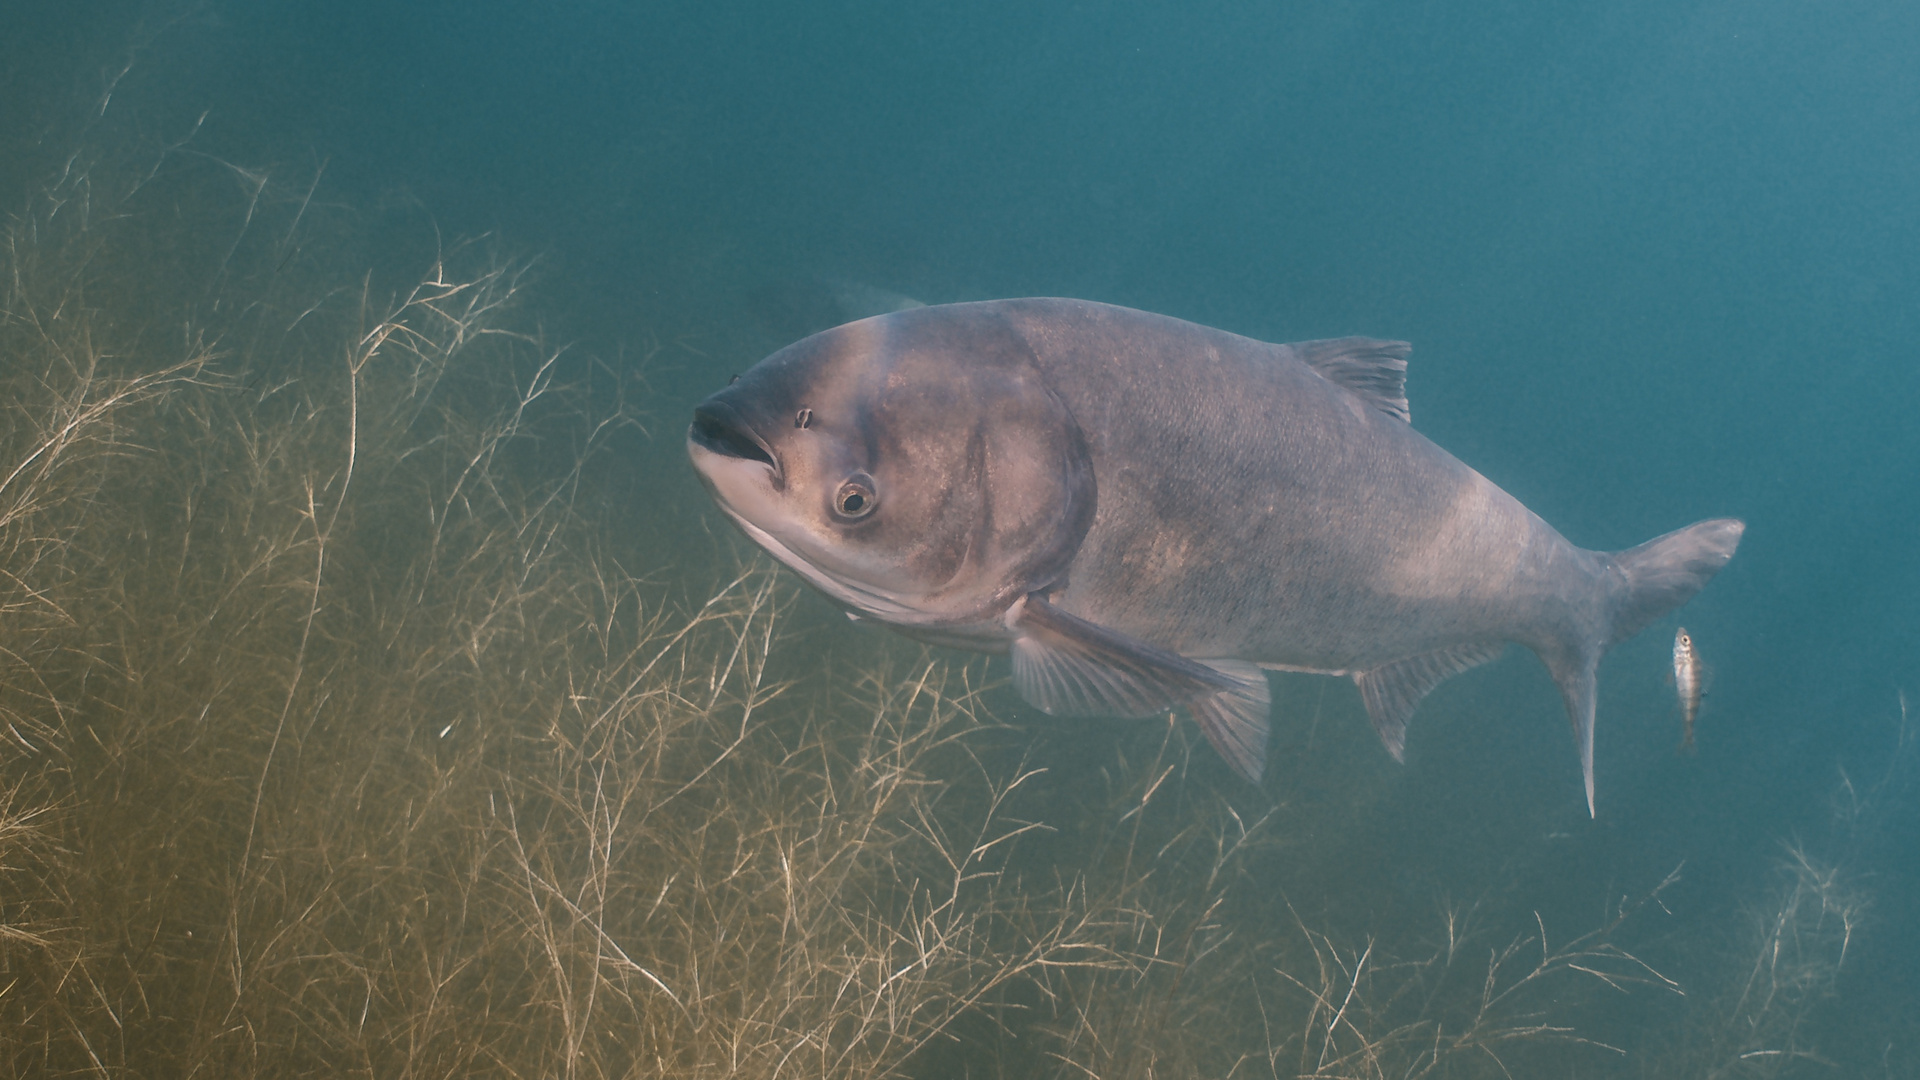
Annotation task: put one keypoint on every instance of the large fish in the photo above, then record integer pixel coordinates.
(1145, 513)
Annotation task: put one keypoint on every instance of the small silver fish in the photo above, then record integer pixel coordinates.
(1688, 678)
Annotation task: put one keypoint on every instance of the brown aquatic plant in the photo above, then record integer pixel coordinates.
(1179, 879)
(1371, 1017)
(341, 741)
(1785, 964)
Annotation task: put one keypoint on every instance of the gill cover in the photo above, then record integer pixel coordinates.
(982, 484)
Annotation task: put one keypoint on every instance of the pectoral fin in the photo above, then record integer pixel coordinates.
(1067, 666)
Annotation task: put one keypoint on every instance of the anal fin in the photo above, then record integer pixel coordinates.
(1392, 691)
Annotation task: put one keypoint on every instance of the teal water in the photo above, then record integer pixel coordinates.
(1659, 262)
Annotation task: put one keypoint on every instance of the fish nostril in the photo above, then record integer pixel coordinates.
(721, 434)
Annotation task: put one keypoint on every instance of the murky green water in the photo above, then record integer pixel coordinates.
(380, 694)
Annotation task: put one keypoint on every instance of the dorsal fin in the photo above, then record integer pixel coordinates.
(1376, 370)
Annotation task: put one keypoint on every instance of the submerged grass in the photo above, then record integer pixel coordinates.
(1784, 965)
(339, 743)
(1211, 984)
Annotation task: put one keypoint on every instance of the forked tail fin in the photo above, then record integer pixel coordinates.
(1659, 575)
(1665, 572)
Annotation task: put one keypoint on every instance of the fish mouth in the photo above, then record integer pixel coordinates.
(718, 429)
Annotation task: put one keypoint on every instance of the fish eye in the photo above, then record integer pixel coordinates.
(855, 498)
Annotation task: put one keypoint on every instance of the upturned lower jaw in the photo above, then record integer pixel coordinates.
(721, 431)
(732, 481)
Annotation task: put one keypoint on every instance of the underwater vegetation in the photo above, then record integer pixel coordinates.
(346, 729)
(337, 746)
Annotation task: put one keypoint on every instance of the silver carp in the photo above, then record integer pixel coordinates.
(1145, 513)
